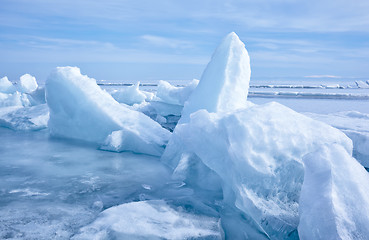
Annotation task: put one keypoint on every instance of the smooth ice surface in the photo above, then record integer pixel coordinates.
(27, 83)
(80, 109)
(153, 219)
(131, 95)
(334, 197)
(225, 81)
(6, 86)
(257, 152)
(170, 94)
(49, 188)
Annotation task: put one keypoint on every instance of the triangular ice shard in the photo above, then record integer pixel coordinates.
(225, 81)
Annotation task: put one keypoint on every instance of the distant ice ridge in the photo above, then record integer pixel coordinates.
(80, 109)
(152, 219)
(259, 154)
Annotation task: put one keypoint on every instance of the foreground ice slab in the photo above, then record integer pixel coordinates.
(257, 152)
(334, 197)
(80, 109)
(149, 220)
(224, 83)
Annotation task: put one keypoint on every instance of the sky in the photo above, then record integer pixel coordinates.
(173, 40)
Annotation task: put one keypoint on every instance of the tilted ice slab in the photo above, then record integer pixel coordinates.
(80, 109)
(334, 201)
(149, 220)
(225, 81)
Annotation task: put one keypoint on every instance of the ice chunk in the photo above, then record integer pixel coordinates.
(334, 201)
(131, 95)
(127, 140)
(6, 86)
(257, 152)
(24, 118)
(170, 94)
(149, 220)
(225, 81)
(27, 83)
(355, 125)
(80, 109)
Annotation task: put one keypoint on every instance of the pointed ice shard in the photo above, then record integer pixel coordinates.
(225, 82)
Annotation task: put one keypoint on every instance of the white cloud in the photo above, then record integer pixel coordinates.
(166, 42)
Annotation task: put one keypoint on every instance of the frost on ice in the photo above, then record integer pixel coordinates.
(257, 153)
(80, 109)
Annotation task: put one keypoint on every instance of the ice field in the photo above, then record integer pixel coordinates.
(223, 157)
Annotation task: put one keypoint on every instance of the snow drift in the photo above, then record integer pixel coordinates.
(80, 109)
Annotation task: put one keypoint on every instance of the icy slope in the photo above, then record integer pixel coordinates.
(80, 109)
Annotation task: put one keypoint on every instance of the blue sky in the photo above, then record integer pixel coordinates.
(171, 39)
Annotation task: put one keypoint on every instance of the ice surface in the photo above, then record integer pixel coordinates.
(334, 197)
(257, 152)
(80, 109)
(170, 94)
(50, 188)
(131, 95)
(6, 86)
(225, 81)
(153, 219)
(24, 118)
(27, 83)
